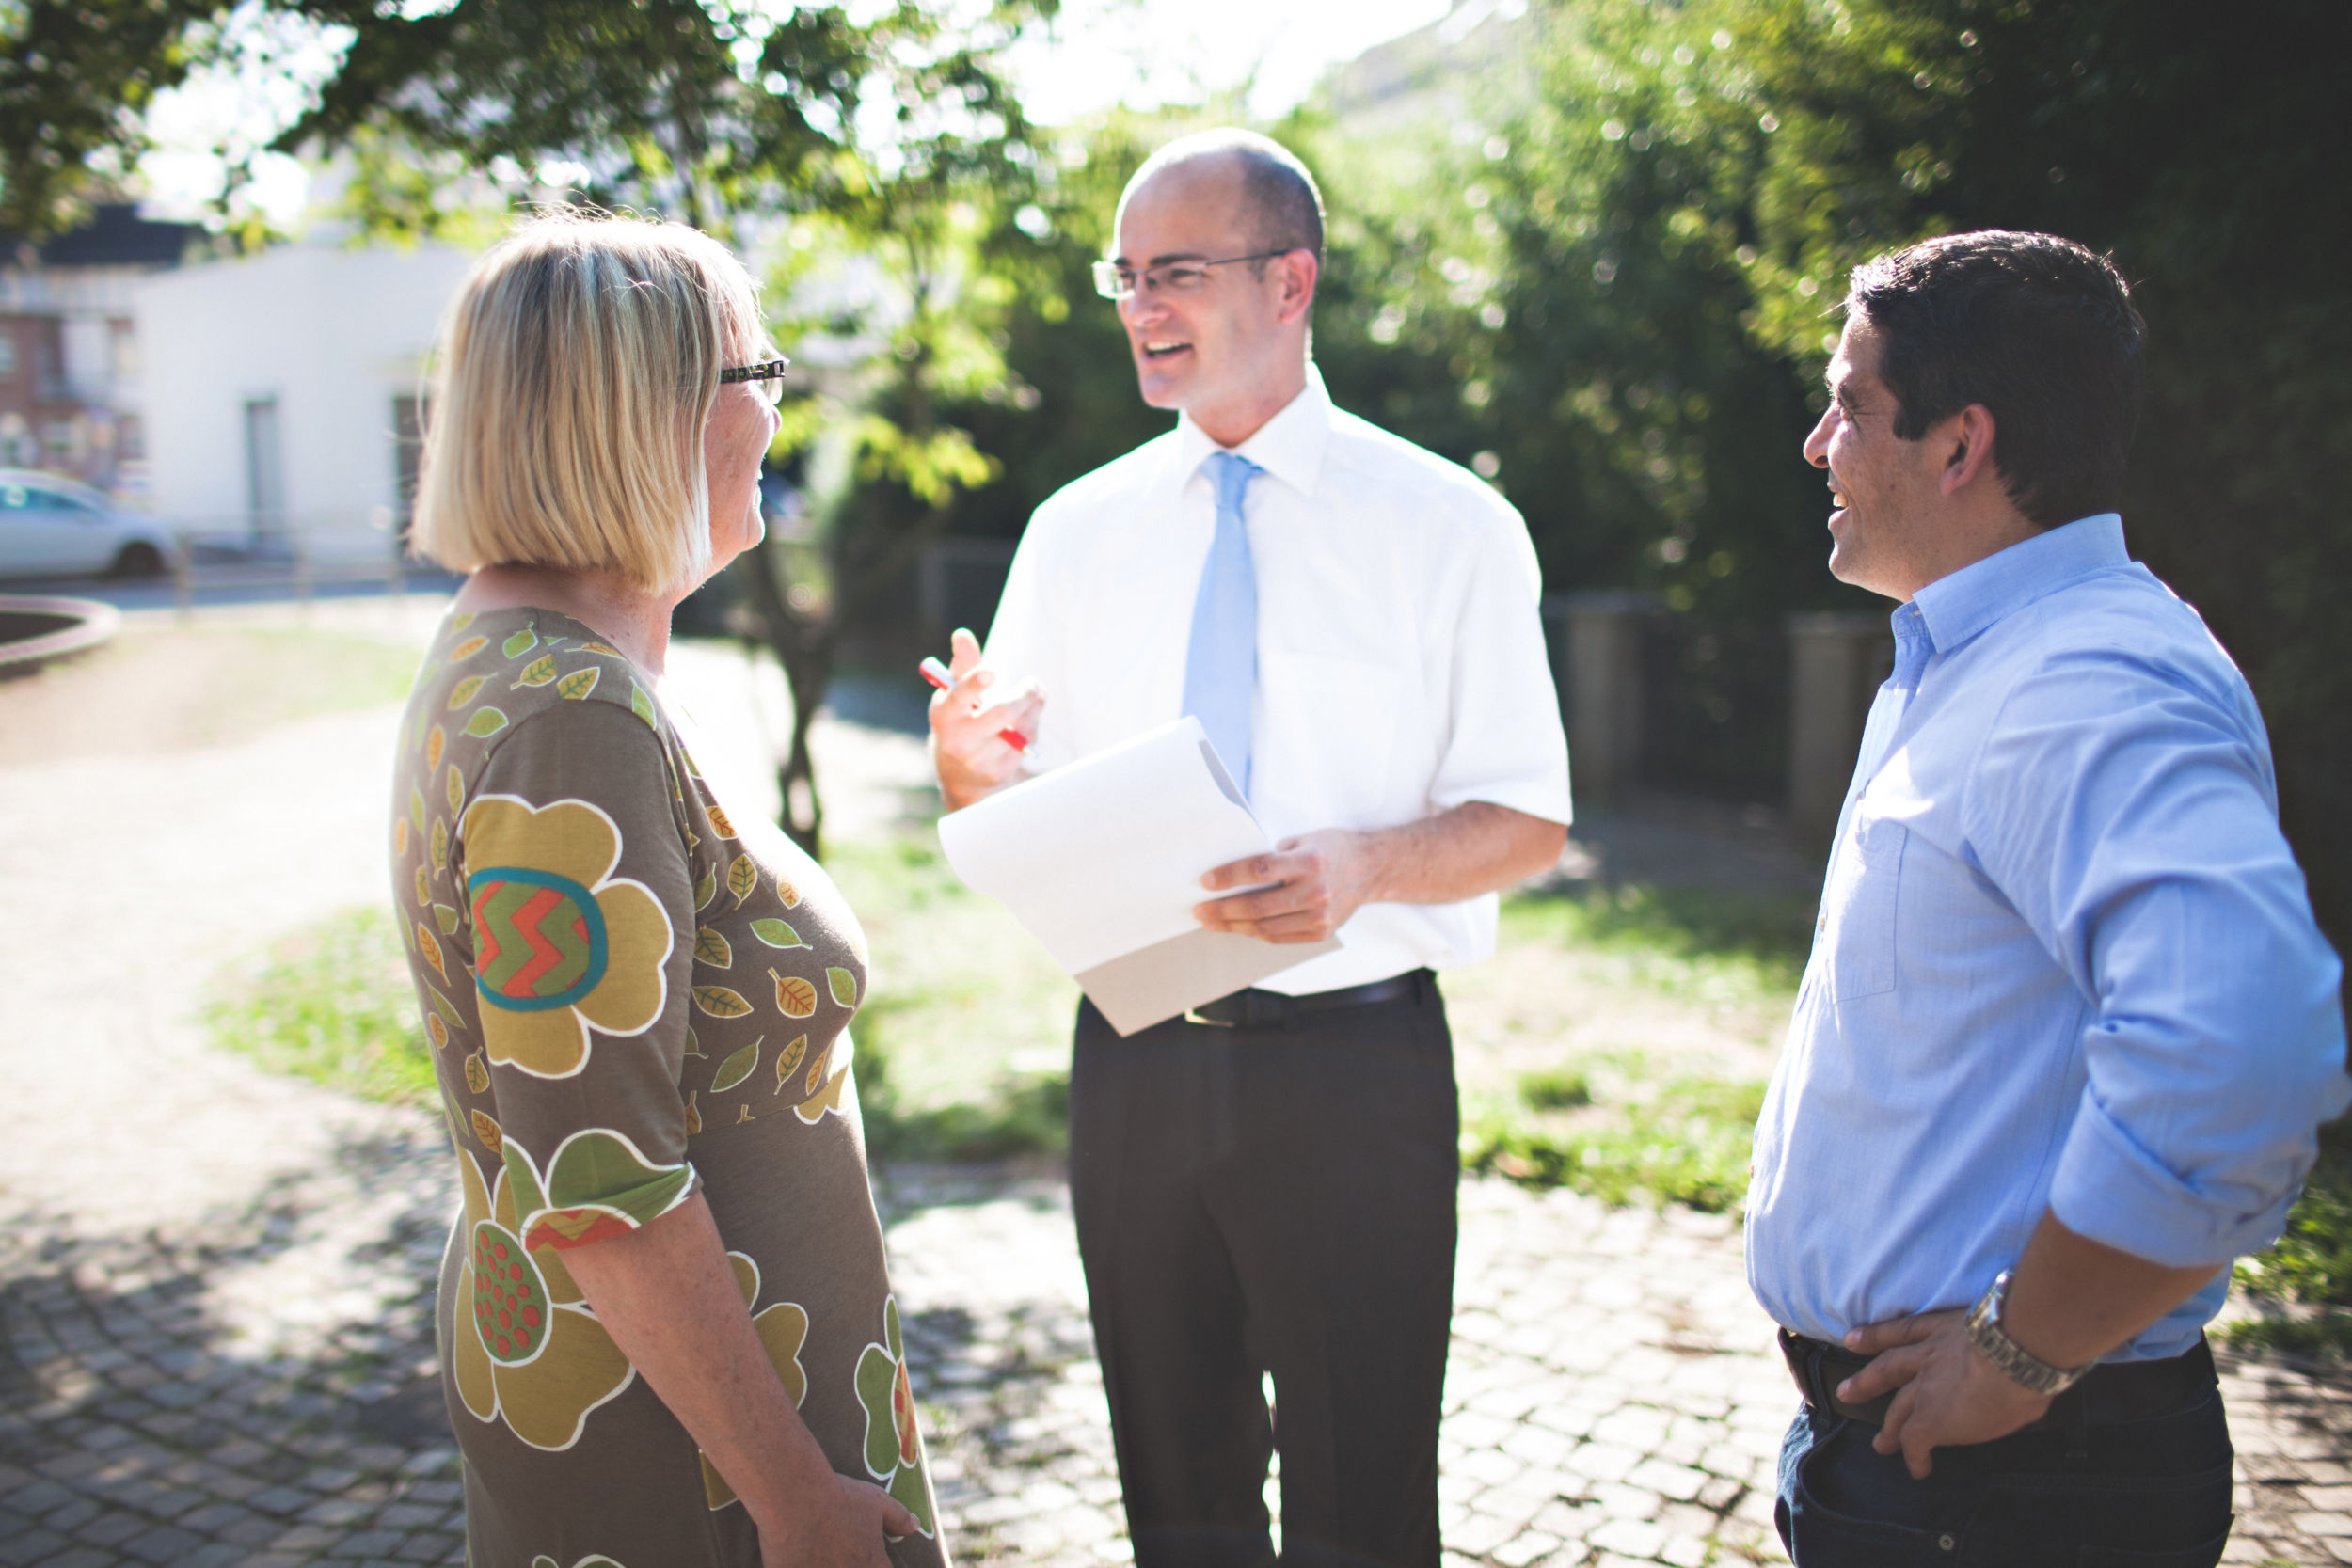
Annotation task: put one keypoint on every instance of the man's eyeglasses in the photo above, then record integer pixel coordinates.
(1113, 281)
(766, 378)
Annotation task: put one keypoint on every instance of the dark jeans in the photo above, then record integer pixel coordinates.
(2147, 1493)
(1272, 1201)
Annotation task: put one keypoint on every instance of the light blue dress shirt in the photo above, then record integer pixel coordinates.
(2064, 961)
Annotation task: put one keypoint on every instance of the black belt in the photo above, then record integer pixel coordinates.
(2115, 1391)
(1270, 1009)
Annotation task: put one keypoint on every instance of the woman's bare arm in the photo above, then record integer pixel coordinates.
(666, 1294)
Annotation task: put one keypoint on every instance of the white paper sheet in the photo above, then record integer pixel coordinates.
(1102, 861)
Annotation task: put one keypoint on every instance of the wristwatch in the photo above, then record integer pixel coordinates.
(2013, 1360)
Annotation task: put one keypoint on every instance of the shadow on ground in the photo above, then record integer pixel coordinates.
(263, 1389)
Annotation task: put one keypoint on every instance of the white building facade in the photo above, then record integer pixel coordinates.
(281, 393)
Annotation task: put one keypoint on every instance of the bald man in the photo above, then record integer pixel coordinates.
(1265, 1187)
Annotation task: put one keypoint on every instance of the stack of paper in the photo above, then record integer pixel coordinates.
(1102, 861)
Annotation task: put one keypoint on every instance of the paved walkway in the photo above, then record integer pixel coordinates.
(214, 1328)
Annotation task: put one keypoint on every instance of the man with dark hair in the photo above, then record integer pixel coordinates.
(2069, 1028)
(1265, 1188)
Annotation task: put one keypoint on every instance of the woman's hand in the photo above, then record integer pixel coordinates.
(846, 1534)
(666, 1294)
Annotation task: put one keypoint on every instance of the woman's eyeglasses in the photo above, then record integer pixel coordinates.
(766, 378)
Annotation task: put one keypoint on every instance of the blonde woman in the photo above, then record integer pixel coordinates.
(667, 1337)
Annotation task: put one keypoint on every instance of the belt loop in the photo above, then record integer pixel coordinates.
(1817, 1389)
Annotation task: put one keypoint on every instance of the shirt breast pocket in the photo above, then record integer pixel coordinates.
(1860, 910)
(1338, 714)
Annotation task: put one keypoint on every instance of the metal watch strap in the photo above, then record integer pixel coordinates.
(2013, 1360)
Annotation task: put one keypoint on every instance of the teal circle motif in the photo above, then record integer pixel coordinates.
(545, 936)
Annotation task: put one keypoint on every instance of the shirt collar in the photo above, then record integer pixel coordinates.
(1956, 608)
(1289, 445)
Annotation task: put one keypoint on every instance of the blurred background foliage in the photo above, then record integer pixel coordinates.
(1609, 284)
(1599, 265)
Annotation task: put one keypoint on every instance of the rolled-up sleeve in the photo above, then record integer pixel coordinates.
(2162, 885)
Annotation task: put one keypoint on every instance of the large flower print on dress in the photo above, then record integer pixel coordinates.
(562, 945)
(782, 1327)
(525, 1346)
(893, 1447)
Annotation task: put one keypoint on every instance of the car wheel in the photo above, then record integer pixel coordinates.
(139, 559)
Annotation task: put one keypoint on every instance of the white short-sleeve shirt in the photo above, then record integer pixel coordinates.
(1401, 663)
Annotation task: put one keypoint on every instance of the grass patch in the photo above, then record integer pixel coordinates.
(172, 689)
(1681, 1140)
(963, 1044)
(2305, 1279)
(1719, 950)
(1556, 1090)
(333, 1004)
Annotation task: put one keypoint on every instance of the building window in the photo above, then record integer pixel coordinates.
(408, 457)
(265, 471)
(7, 353)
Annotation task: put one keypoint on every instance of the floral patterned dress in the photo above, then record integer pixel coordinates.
(631, 996)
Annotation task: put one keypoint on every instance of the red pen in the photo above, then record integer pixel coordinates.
(937, 674)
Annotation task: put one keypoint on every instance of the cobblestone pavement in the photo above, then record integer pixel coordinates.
(214, 1329)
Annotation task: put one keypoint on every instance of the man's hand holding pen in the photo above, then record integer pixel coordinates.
(978, 745)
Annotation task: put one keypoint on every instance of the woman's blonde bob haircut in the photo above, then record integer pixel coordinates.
(577, 368)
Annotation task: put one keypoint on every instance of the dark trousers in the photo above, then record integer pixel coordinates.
(1272, 1201)
(2141, 1494)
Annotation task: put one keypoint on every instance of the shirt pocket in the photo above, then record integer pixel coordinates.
(1860, 910)
(1340, 716)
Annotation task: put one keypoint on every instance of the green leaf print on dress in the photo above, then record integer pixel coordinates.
(737, 1068)
(560, 943)
(598, 1184)
(776, 933)
(894, 1449)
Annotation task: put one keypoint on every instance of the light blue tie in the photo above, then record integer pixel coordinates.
(1221, 666)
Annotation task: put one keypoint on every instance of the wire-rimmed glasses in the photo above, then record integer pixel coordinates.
(1114, 281)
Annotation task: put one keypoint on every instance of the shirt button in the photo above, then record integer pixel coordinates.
(1821, 924)
(1946, 1543)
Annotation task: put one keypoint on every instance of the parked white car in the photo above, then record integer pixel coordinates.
(51, 525)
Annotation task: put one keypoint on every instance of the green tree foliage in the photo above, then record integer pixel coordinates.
(1068, 401)
(888, 138)
(1617, 299)
(918, 224)
(710, 113)
(76, 77)
(2202, 151)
